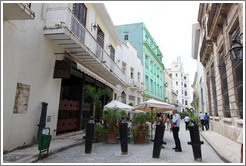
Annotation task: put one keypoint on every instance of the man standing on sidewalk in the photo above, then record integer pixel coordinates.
(206, 118)
(201, 117)
(175, 129)
(187, 120)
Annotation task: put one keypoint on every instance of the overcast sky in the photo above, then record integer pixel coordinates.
(169, 23)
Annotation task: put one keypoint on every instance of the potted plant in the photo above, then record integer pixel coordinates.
(94, 95)
(98, 132)
(192, 116)
(140, 128)
(111, 120)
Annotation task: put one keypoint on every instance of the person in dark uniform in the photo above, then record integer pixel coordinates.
(175, 129)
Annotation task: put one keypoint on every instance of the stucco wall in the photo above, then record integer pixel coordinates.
(28, 58)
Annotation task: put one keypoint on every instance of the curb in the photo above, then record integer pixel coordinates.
(35, 158)
(219, 153)
(54, 151)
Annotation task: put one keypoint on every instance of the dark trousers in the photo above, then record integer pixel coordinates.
(186, 125)
(203, 124)
(207, 125)
(176, 138)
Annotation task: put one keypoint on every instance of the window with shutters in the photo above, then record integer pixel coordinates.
(80, 11)
(224, 86)
(100, 37)
(124, 67)
(209, 95)
(214, 91)
(112, 53)
(146, 61)
(126, 36)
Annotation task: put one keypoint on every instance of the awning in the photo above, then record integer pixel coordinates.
(92, 74)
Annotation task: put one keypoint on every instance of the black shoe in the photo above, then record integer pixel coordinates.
(178, 150)
(174, 148)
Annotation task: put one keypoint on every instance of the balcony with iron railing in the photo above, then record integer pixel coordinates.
(64, 28)
(18, 11)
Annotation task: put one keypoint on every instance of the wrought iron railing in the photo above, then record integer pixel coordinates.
(85, 37)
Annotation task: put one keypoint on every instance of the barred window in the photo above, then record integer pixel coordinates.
(209, 95)
(214, 92)
(238, 73)
(80, 11)
(224, 87)
(112, 53)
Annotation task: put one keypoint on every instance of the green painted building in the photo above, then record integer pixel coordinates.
(151, 57)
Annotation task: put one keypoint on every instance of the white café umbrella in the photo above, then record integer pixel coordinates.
(153, 104)
(117, 104)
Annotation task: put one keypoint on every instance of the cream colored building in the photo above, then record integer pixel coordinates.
(132, 91)
(50, 51)
(168, 87)
(181, 84)
(220, 24)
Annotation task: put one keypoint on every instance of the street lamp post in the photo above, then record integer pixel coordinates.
(236, 50)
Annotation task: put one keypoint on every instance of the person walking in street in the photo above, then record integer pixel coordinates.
(206, 118)
(201, 117)
(175, 129)
(187, 120)
(162, 120)
(168, 121)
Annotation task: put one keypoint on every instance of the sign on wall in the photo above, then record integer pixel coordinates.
(21, 98)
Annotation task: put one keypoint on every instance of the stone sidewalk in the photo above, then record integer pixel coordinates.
(228, 150)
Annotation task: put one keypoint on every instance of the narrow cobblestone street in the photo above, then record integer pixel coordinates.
(137, 153)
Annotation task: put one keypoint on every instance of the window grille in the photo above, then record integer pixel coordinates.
(209, 95)
(224, 87)
(214, 92)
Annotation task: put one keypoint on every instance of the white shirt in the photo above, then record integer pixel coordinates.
(176, 120)
(187, 119)
(201, 116)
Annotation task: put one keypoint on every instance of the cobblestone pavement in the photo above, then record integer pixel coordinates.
(137, 153)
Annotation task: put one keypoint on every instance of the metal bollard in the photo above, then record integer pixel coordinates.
(123, 127)
(158, 141)
(195, 141)
(89, 135)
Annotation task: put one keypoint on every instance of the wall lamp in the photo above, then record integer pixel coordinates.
(110, 46)
(236, 49)
(94, 26)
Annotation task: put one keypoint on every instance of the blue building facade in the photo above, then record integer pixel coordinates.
(151, 57)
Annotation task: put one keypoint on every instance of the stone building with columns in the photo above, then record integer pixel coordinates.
(221, 26)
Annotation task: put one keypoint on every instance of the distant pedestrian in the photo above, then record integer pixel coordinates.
(187, 121)
(206, 118)
(201, 117)
(175, 129)
(168, 121)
